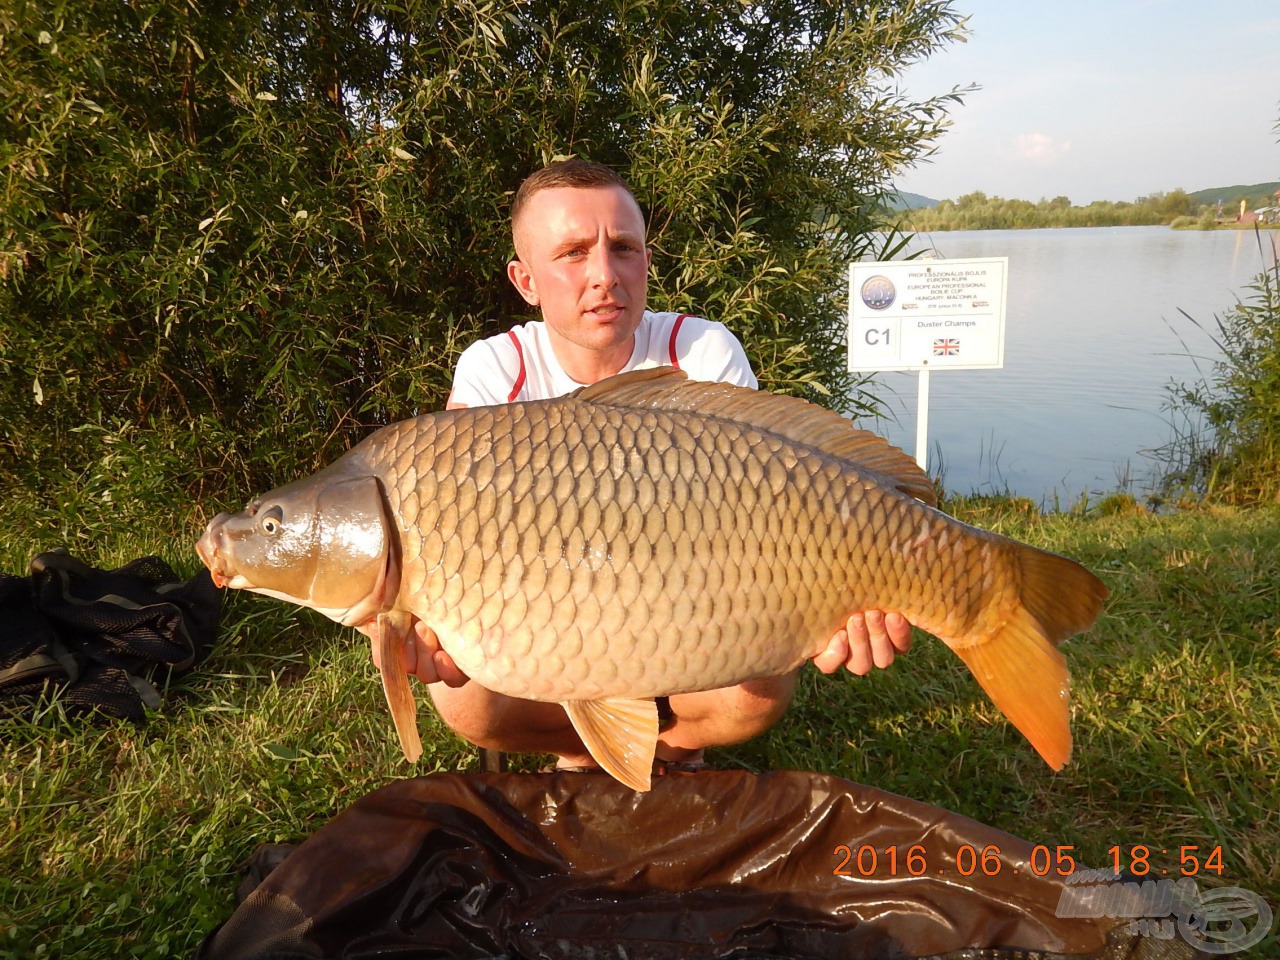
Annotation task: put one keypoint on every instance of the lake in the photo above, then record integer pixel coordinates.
(1093, 337)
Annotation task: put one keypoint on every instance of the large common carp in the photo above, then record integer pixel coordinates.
(645, 536)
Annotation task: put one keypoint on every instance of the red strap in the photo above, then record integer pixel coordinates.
(515, 391)
(671, 345)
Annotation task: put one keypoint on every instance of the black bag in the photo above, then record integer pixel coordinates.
(103, 640)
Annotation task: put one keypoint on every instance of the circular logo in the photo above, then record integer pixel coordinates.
(878, 292)
(1220, 925)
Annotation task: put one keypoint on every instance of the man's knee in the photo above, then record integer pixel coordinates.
(729, 715)
(759, 704)
(472, 713)
(495, 722)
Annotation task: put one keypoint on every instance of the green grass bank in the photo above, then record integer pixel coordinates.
(127, 841)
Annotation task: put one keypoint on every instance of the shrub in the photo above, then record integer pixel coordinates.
(256, 231)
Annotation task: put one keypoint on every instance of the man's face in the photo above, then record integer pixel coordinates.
(584, 262)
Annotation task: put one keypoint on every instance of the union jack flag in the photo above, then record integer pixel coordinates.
(945, 347)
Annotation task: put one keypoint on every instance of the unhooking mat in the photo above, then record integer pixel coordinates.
(719, 864)
(103, 639)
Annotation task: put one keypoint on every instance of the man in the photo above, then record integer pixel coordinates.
(582, 260)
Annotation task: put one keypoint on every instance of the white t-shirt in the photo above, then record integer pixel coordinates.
(521, 365)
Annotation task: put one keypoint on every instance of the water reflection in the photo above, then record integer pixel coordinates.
(1094, 335)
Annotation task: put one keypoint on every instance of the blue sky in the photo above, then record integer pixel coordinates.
(1105, 101)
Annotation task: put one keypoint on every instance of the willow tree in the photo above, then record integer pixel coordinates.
(235, 236)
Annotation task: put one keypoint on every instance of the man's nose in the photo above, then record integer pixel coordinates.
(604, 269)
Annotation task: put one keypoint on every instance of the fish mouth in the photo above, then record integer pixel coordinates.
(207, 550)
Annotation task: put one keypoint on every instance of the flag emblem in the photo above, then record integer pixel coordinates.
(945, 347)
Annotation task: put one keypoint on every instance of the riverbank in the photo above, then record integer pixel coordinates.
(1196, 224)
(127, 840)
(1181, 223)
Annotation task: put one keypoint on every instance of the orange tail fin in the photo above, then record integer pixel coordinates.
(1020, 666)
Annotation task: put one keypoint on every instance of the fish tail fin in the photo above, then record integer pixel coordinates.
(1019, 665)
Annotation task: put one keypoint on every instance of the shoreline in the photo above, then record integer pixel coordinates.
(1096, 226)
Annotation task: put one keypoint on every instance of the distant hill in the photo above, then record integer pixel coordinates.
(911, 201)
(1233, 193)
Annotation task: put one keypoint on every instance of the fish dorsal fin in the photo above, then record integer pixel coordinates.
(621, 734)
(667, 388)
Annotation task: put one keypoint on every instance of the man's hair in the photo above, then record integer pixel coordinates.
(567, 173)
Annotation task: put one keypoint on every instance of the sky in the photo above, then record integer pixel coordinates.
(1104, 100)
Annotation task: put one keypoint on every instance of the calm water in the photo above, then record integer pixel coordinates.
(1093, 336)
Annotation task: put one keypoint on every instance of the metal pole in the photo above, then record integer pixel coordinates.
(922, 421)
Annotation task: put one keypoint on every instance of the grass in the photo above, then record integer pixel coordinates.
(127, 841)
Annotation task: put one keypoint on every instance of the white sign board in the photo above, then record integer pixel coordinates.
(927, 314)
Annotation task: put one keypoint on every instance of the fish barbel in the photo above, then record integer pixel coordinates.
(645, 536)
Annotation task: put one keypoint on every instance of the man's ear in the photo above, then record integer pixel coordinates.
(522, 279)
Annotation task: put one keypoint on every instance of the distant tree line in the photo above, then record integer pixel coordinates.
(977, 211)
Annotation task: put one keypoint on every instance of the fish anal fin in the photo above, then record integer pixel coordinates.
(1027, 678)
(666, 388)
(621, 734)
(393, 631)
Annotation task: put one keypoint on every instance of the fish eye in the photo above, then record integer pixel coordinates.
(272, 521)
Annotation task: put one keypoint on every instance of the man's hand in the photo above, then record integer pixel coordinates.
(422, 656)
(868, 638)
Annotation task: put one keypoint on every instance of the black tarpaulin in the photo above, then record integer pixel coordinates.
(718, 864)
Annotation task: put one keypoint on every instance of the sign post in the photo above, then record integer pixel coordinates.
(927, 315)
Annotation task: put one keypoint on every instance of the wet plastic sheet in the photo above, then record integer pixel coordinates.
(720, 864)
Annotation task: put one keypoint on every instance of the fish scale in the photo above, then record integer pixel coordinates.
(649, 536)
(792, 598)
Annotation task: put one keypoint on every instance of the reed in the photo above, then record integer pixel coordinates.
(1226, 425)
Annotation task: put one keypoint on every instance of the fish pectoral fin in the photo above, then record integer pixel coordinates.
(621, 734)
(394, 630)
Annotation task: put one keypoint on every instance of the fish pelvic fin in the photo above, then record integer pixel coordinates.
(1019, 665)
(393, 631)
(621, 734)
